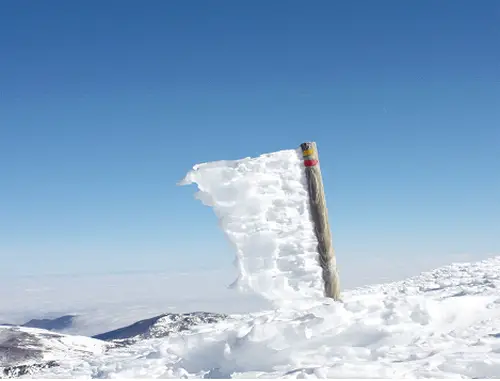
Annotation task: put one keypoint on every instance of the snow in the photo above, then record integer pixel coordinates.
(440, 324)
(34, 345)
(262, 207)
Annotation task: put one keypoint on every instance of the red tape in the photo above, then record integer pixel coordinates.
(310, 163)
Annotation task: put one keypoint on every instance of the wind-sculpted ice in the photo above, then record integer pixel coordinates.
(263, 209)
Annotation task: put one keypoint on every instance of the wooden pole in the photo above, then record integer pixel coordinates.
(319, 215)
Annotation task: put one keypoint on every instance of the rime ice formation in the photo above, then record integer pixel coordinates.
(263, 208)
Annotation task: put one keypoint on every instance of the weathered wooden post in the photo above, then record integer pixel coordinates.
(319, 214)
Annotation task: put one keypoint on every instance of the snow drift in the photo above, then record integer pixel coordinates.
(263, 209)
(440, 324)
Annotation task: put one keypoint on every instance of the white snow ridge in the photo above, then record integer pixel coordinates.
(262, 206)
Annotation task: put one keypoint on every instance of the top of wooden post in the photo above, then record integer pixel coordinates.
(306, 145)
(309, 153)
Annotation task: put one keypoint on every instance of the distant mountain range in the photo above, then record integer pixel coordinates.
(57, 324)
(26, 349)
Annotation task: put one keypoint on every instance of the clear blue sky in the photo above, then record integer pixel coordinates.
(105, 105)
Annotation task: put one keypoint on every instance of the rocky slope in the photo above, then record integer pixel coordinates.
(24, 351)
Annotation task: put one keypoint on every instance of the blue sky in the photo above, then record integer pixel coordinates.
(104, 106)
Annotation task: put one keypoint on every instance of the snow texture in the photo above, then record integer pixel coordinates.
(440, 324)
(263, 208)
(24, 351)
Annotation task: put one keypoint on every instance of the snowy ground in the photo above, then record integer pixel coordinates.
(444, 323)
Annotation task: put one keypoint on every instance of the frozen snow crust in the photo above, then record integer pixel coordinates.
(441, 324)
(263, 208)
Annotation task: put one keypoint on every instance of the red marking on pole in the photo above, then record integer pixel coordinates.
(310, 163)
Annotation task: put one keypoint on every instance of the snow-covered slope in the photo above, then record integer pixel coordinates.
(440, 324)
(24, 351)
(160, 326)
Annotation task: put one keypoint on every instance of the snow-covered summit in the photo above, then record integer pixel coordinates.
(442, 323)
(456, 279)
